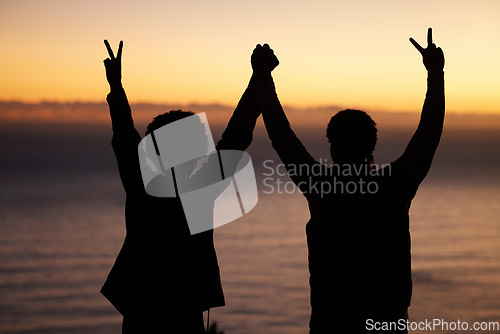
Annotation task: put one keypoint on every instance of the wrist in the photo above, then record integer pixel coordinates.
(265, 83)
(114, 87)
(262, 76)
(435, 76)
(435, 80)
(435, 72)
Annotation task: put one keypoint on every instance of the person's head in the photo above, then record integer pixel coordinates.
(167, 118)
(194, 136)
(352, 135)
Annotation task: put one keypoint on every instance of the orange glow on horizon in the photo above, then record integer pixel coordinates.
(331, 53)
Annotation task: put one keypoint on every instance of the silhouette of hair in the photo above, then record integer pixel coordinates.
(352, 135)
(166, 118)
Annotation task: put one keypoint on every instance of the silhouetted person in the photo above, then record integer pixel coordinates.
(163, 278)
(358, 233)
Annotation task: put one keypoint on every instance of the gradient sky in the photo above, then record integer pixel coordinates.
(349, 53)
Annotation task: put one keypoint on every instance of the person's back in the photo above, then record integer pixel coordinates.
(358, 245)
(359, 237)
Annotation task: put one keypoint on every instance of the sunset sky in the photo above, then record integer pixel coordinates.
(346, 53)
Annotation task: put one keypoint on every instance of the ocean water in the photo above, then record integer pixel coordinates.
(62, 225)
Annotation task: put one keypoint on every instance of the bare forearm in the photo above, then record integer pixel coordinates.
(277, 125)
(426, 139)
(432, 116)
(125, 141)
(120, 111)
(239, 131)
(418, 156)
(284, 140)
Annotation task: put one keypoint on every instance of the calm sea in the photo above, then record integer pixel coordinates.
(62, 224)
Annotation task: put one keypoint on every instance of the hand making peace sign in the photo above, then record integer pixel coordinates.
(263, 59)
(113, 65)
(433, 56)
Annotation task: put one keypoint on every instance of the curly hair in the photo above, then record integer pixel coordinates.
(166, 118)
(352, 135)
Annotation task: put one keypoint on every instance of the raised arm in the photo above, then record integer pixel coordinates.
(238, 134)
(125, 136)
(288, 146)
(417, 158)
(119, 108)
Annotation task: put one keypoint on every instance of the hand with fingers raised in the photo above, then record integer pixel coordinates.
(433, 56)
(263, 60)
(114, 66)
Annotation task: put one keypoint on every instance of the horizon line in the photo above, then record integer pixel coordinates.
(173, 105)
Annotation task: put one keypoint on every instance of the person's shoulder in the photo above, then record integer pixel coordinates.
(401, 175)
(383, 169)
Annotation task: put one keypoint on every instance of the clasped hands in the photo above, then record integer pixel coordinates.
(263, 60)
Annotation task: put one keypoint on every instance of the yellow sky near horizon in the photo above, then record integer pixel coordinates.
(351, 54)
